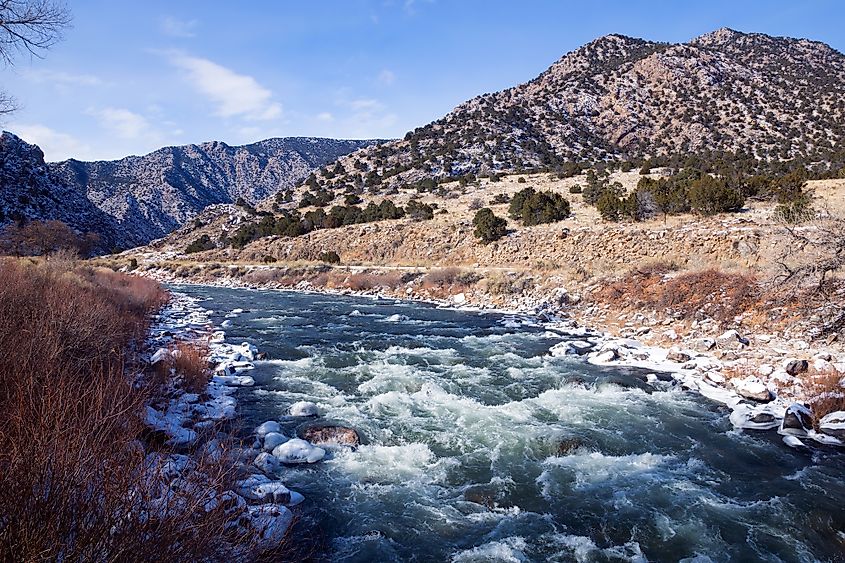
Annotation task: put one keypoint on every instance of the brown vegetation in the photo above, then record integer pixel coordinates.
(76, 481)
(712, 293)
(38, 238)
(825, 392)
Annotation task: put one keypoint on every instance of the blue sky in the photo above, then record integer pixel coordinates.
(133, 76)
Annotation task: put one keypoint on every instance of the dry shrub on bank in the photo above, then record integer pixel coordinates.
(824, 391)
(191, 365)
(712, 293)
(75, 481)
(365, 281)
(449, 277)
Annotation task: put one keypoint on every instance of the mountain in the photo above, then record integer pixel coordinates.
(27, 191)
(620, 98)
(139, 198)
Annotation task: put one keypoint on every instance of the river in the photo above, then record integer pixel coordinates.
(480, 446)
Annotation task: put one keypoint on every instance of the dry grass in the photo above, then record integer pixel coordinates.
(368, 280)
(191, 365)
(76, 482)
(824, 391)
(706, 293)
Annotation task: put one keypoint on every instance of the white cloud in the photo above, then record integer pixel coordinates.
(62, 78)
(325, 117)
(386, 77)
(124, 123)
(175, 27)
(367, 117)
(234, 94)
(55, 145)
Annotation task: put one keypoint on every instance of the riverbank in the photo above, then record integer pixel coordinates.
(765, 378)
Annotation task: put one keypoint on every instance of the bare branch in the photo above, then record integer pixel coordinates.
(30, 27)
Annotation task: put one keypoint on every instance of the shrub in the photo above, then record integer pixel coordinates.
(38, 238)
(419, 211)
(534, 208)
(520, 180)
(488, 227)
(709, 196)
(330, 257)
(475, 204)
(191, 365)
(201, 244)
(499, 199)
(576, 189)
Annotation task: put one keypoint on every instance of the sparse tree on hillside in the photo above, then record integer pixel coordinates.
(488, 227)
(28, 27)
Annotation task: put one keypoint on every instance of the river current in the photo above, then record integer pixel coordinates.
(480, 446)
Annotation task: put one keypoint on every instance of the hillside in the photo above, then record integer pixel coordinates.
(621, 98)
(136, 199)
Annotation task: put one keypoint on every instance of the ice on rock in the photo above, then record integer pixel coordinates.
(170, 424)
(298, 451)
(757, 417)
(267, 463)
(267, 427)
(234, 380)
(271, 521)
(304, 408)
(264, 489)
(273, 439)
(833, 424)
(217, 337)
(562, 349)
(162, 354)
(793, 442)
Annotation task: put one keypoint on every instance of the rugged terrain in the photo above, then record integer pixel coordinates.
(136, 199)
(623, 98)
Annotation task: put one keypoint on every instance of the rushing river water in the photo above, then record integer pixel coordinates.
(479, 446)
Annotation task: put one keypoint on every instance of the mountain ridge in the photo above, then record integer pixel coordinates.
(148, 196)
(624, 98)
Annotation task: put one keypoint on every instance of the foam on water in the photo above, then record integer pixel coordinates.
(480, 446)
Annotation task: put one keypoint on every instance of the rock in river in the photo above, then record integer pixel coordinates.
(327, 434)
(298, 451)
(304, 408)
(797, 420)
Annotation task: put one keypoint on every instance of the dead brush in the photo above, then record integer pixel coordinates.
(365, 281)
(707, 293)
(76, 482)
(190, 362)
(824, 391)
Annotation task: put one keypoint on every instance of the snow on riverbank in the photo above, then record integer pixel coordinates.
(190, 424)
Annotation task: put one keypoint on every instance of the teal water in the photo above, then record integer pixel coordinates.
(482, 447)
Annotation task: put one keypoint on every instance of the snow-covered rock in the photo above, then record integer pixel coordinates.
(752, 388)
(271, 522)
(833, 424)
(171, 425)
(273, 439)
(758, 417)
(304, 408)
(296, 451)
(797, 421)
(266, 427)
(267, 463)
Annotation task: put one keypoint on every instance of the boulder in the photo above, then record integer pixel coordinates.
(297, 451)
(794, 367)
(752, 388)
(568, 446)
(676, 355)
(797, 421)
(267, 463)
(833, 424)
(766, 370)
(758, 417)
(273, 439)
(270, 522)
(329, 435)
(264, 489)
(704, 344)
(267, 427)
(731, 340)
(304, 408)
